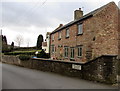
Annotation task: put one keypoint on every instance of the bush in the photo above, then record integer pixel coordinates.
(24, 57)
(42, 54)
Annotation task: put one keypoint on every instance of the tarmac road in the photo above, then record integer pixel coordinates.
(15, 77)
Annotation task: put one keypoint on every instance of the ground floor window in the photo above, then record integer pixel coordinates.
(66, 52)
(52, 48)
(79, 51)
(72, 53)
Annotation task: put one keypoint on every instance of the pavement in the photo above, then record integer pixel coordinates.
(15, 77)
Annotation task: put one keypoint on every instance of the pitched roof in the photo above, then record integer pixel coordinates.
(82, 18)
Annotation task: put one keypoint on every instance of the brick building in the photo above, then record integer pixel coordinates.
(87, 37)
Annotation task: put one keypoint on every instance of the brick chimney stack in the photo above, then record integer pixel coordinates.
(78, 14)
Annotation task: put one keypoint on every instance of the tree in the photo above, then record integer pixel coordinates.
(12, 46)
(28, 42)
(19, 40)
(5, 39)
(39, 41)
(4, 44)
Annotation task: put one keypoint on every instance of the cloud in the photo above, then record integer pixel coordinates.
(33, 18)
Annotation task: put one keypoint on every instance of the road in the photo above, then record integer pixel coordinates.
(15, 77)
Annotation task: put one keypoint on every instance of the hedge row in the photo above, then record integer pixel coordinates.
(22, 52)
(24, 48)
(24, 57)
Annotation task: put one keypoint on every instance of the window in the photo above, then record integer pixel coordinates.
(67, 32)
(80, 30)
(59, 35)
(79, 51)
(52, 48)
(72, 53)
(66, 52)
(52, 37)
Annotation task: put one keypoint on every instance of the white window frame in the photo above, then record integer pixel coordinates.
(80, 28)
(67, 32)
(52, 37)
(66, 51)
(59, 35)
(80, 49)
(72, 53)
(52, 48)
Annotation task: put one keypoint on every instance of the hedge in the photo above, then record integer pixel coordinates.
(22, 52)
(24, 57)
(42, 54)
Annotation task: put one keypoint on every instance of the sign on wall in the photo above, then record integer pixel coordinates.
(78, 67)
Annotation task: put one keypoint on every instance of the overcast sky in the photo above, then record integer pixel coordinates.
(30, 18)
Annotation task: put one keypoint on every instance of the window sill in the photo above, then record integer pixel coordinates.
(59, 38)
(52, 52)
(67, 37)
(79, 34)
(79, 56)
(72, 59)
(66, 57)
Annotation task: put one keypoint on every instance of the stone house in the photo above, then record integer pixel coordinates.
(46, 44)
(87, 36)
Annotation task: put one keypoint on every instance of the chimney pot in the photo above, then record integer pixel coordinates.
(78, 14)
(60, 25)
(79, 8)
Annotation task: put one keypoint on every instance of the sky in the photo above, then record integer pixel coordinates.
(30, 18)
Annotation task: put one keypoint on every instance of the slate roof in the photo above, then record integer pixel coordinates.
(81, 19)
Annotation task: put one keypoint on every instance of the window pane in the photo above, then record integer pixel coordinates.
(66, 51)
(52, 48)
(59, 35)
(72, 52)
(80, 29)
(52, 37)
(67, 32)
(79, 51)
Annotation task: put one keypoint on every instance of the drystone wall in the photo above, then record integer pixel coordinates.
(102, 69)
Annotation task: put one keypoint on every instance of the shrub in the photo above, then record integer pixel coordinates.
(42, 54)
(24, 57)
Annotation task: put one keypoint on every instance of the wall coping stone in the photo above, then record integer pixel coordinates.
(73, 62)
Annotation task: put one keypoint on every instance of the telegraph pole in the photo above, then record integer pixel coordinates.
(1, 45)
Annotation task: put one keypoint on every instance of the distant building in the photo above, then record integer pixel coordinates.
(46, 44)
(87, 37)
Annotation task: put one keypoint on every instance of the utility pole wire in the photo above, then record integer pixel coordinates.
(33, 9)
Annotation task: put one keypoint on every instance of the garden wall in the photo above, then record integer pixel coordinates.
(102, 69)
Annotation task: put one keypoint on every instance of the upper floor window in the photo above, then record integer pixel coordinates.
(66, 52)
(52, 48)
(59, 35)
(67, 32)
(79, 51)
(80, 28)
(52, 37)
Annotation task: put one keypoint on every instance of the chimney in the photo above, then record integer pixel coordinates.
(78, 14)
(60, 25)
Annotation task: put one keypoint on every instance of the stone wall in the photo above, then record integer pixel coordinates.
(102, 69)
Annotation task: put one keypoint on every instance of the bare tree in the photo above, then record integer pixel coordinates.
(19, 40)
(28, 42)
